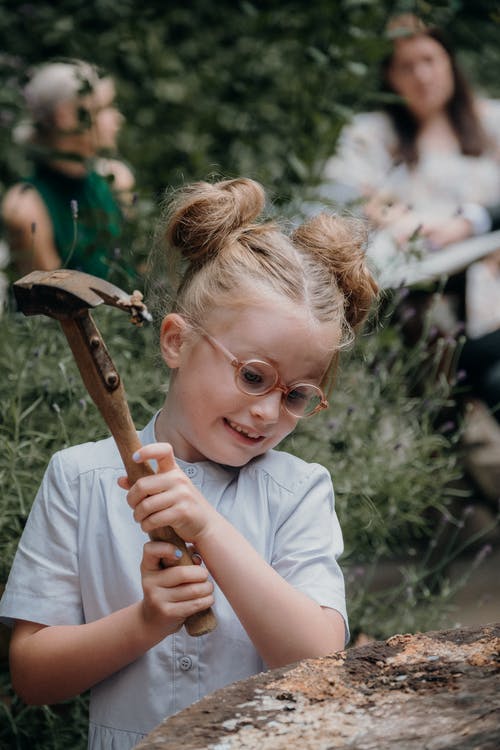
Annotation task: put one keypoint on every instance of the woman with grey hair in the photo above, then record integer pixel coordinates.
(69, 211)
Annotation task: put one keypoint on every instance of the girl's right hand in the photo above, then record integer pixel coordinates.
(173, 593)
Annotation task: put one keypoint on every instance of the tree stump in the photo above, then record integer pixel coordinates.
(431, 690)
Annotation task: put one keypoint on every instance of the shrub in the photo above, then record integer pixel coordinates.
(251, 88)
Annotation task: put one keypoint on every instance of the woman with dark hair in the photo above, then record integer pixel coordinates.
(426, 170)
(449, 95)
(428, 163)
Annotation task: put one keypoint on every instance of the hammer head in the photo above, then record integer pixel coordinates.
(65, 293)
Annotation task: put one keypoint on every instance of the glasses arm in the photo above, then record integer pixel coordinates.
(221, 348)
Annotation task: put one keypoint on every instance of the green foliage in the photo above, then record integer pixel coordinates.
(62, 727)
(261, 89)
(255, 88)
(45, 407)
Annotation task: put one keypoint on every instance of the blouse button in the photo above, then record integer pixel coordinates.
(191, 471)
(185, 663)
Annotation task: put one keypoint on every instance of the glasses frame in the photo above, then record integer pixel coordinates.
(278, 384)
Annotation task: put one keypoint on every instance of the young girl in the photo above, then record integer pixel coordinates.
(251, 342)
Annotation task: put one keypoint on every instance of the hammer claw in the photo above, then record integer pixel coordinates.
(65, 293)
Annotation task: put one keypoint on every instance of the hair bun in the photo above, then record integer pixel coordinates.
(204, 215)
(339, 243)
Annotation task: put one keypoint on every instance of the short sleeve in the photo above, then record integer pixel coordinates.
(308, 542)
(43, 584)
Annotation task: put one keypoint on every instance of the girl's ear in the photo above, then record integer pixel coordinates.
(172, 336)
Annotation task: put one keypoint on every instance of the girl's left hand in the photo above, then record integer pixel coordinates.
(168, 498)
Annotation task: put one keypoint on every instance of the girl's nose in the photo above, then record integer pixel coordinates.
(267, 408)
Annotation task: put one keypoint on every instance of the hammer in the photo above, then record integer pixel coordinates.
(68, 295)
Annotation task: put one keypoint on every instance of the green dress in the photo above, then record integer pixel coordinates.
(87, 242)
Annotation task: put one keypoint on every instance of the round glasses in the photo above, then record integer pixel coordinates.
(256, 378)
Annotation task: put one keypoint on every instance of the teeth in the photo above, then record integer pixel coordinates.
(252, 435)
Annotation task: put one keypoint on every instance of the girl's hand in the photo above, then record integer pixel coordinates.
(168, 498)
(173, 593)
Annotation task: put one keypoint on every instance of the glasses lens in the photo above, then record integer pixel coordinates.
(303, 400)
(256, 378)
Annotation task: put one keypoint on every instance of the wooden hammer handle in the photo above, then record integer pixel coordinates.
(84, 338)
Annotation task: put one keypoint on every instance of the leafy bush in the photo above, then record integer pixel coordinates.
(261, 89)
(248, 87)
(45, 407)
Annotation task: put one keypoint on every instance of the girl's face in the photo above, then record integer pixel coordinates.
(421, 72)
(205, 415)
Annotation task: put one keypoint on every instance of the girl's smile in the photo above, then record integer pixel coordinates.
(245, 433)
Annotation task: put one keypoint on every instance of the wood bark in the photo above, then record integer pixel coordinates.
(427, 691)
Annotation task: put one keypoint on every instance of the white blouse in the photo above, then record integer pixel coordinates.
(442, 180)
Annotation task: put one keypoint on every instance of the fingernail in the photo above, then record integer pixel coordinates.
(195, 557)
(178, 554)
(136, 456)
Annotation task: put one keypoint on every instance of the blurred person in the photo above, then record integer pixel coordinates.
(70, 210)
(426, 169)
(428, 165)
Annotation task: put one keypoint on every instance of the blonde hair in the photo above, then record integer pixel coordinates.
(229, 257)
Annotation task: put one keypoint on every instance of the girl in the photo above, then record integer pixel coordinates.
(251, 341)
